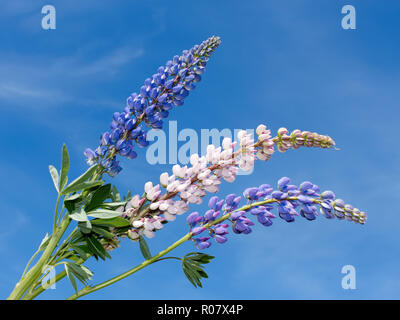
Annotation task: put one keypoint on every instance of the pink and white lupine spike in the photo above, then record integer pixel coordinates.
(204, 175)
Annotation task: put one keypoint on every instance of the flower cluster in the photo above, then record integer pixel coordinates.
(299, 138)
(165, 89)
(287, 200)
(189, 184)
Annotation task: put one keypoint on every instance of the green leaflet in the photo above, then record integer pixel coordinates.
(112, 205)
(117, 222)
(102, 232)
(81, 250)
(128, 196)
(81, 186)
(85, 226)
(64, 168)
(70, 277)
(80, 272)
(144, 248)
(98, 197)
(80, 181)
(115, 195)
(73, 197)
(71, 202)
(44, 242)
(79, 215)
(104, 214)
(55, 177)
(96, 248)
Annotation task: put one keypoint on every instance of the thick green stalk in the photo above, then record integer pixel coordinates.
(34, 273)
(30, 278)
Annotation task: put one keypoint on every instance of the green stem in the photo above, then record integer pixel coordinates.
(32, 295)
(64, 246)
(86, 290)
(56, 212)
(61, 214)
(153, 259)
(29, 262)
(166, 258)
(34, 273)
(31, 278)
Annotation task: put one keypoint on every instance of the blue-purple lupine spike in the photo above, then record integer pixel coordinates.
(165, 89)
(287, 200)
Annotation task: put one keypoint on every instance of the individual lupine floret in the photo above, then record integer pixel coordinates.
(146, 226)
(262, 200)
(266, 142)
(159, 94)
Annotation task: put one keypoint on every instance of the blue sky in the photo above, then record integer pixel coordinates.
(282, 63)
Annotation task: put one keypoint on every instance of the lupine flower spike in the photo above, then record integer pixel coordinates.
(165, 89)
(287, 200)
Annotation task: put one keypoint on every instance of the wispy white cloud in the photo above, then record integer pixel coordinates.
(8, 90)
(25, 78)
(106, 65)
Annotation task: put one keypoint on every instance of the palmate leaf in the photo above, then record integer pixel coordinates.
(192, 266)
(81, 250)
(80, 272)
(96, 248)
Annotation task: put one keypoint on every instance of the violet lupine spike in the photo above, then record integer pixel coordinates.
(165, 89)
(191, 184)
(287, 200)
